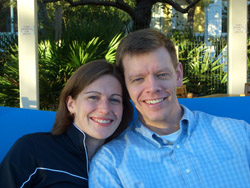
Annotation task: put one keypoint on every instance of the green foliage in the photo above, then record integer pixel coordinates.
(248, 60)
(110, 55)
(53, 72)
(93, 32)
(81, 53)
(9, 77)
(83, 23)
(57, 62)
(203, 73)
(86, 35)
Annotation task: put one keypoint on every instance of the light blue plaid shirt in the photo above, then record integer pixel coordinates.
(210, 152)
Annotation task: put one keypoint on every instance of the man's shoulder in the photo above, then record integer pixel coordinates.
(202, 119)
(123, 138)
(204, 115)
(119, 144)
(201, 115)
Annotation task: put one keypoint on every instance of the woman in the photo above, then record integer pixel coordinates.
(90, 113)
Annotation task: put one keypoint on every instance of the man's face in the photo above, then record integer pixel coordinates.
(151, 80)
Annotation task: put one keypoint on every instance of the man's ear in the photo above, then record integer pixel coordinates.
(179, 74)
(70, 104)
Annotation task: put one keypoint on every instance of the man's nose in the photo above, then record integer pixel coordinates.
(152, 85)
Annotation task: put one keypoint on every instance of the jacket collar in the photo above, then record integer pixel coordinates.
(77, 137)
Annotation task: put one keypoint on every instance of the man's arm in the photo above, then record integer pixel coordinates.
(248, 144)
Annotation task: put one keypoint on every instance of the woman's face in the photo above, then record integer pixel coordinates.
(98, 107)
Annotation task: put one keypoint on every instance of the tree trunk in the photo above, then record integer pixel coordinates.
(191, 17)
(142, 14)
(58, 27)
(47, 25)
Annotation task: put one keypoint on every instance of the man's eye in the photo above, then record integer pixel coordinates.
(162, 75)
(115, 101)
(137, 79)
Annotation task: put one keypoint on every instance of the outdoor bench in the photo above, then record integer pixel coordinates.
(15, 122)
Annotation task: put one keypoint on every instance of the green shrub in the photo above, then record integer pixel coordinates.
(57, 62)
(9, 77)
(203, 73)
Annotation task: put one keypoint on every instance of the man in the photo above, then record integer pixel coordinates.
(168, 145)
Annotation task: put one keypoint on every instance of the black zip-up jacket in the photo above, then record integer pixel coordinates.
(45, 160)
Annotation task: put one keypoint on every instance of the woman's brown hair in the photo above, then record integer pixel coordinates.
(83, 76)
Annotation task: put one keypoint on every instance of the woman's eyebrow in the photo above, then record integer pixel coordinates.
(88, 92)
(99, 93)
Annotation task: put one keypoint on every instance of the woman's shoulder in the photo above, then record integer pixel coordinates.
(35, 137)
(30, 140)
(26, 148)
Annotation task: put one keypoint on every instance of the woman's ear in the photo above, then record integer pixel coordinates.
(70, 104)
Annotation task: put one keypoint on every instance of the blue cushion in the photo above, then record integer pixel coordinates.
(16, 122)
(233, 107)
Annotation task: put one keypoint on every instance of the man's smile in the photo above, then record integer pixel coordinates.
(154, 101)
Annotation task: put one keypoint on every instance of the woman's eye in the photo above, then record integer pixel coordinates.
(93, 97)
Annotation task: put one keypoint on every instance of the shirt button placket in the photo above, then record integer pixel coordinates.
(184, 165)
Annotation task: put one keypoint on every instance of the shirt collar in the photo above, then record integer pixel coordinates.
(187, 122)
(186, 125)
(147, 133)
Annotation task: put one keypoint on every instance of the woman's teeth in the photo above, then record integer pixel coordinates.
(102, 120)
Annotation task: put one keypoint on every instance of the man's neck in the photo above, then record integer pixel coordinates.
(166, 130)
(165, 127)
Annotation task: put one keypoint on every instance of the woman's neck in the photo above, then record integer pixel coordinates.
(93, 145)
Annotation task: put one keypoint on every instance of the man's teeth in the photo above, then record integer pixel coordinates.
(153, 101)
(102, 121)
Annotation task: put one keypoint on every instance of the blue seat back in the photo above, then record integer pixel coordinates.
(16, 122)
(233, 107)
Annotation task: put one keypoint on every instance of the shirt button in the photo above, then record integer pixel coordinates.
(165, 141)
(188, 171)
(178, 146)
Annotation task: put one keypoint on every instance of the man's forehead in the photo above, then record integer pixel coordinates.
(140, 62)
(140, 71)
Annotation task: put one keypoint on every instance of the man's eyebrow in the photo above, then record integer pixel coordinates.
(116, 95)
(132, 76)
(164, 69)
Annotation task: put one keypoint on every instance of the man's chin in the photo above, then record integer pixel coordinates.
(152, 118)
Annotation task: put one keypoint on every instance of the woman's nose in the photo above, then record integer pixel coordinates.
(104, 106)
